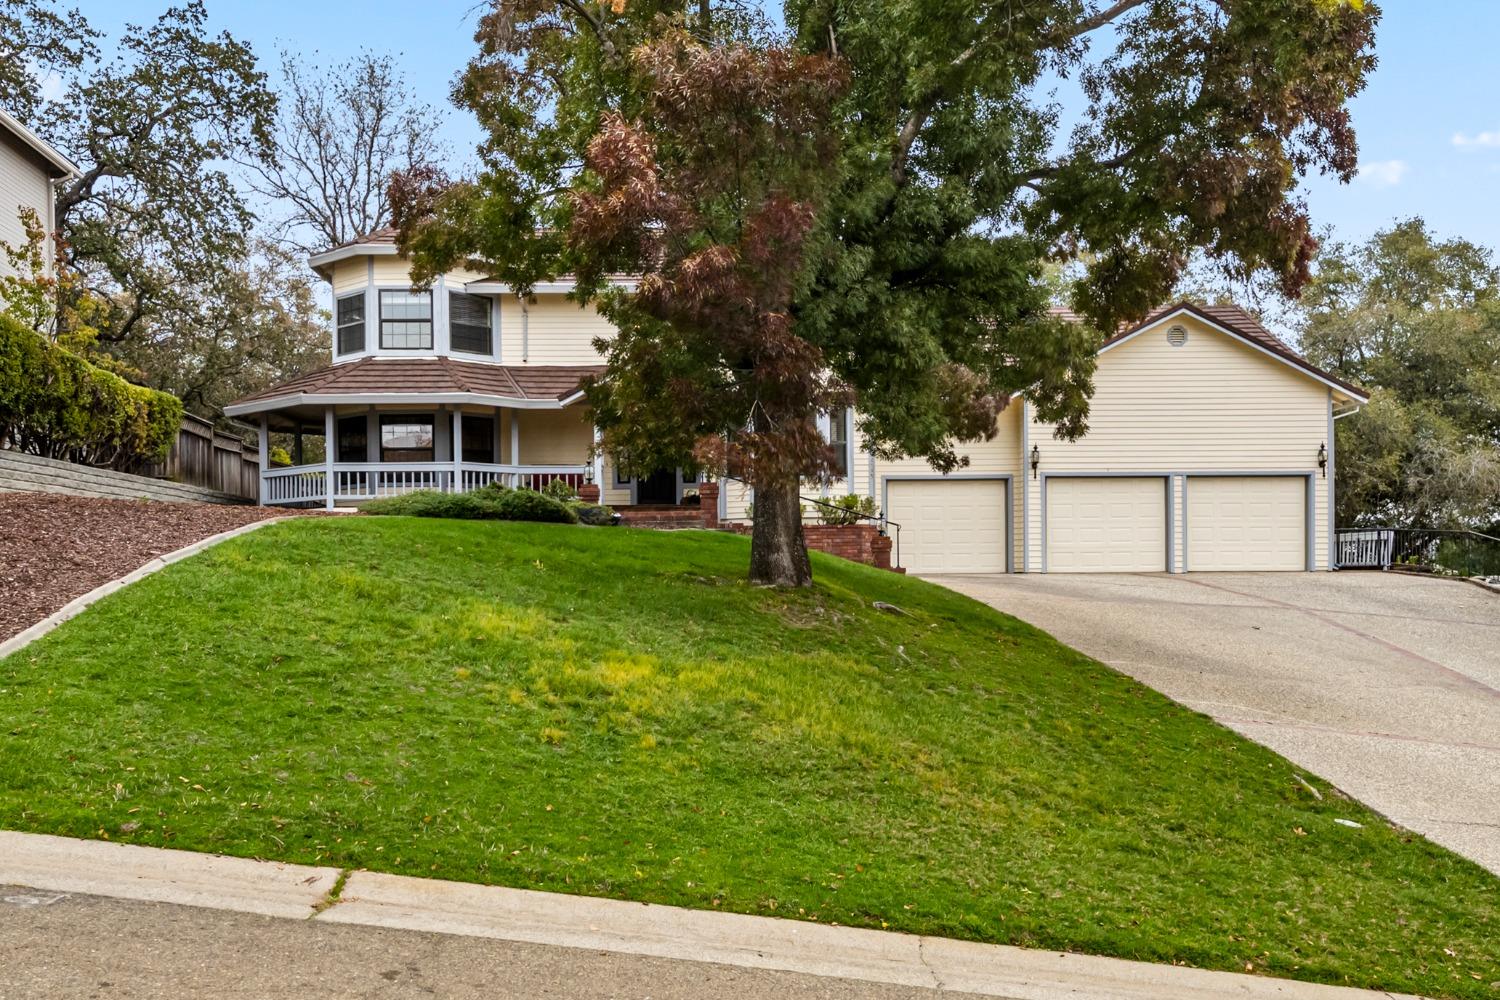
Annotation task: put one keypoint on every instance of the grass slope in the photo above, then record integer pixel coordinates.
(615, 713)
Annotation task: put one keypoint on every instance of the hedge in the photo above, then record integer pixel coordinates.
(480, 505)
(56, 404)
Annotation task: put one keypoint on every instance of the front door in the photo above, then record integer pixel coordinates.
(659, 487)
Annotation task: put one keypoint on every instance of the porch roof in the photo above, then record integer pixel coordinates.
(424, 380)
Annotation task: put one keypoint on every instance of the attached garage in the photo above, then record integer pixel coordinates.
(1246, 523)
(1106, 524)
(950, 525)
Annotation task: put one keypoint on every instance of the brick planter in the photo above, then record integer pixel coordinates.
(861, 543)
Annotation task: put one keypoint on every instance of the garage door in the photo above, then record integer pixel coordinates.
(1246, 523)
(950, 525)
(1106, 525)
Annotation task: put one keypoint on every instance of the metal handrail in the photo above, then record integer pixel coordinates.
(885, 522)
(1455, 550)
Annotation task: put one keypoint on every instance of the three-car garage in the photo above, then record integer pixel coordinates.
(1208, 448)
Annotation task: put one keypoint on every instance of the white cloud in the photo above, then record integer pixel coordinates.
(1485, 140)
(1383, 173)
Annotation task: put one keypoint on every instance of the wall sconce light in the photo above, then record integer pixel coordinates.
(1323, 458)
(1036, 460)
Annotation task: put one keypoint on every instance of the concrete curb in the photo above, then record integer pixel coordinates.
(669, 932)
(129, 871)
(76, 606)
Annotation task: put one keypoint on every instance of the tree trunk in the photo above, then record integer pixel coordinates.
(778, 550)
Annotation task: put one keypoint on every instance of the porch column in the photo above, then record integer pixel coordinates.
(458, 450)
(330, 449)
(515, 438)
(598, 463)
(297, 445)
(265, 456)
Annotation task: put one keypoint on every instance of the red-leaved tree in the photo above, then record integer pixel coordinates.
(712, 195)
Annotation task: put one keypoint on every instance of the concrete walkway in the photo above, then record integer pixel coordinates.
(65, 924)
(1386, 684)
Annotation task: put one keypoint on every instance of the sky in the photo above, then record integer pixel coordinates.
(1428, 123)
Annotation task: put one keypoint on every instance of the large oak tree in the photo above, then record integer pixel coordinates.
(861, 207)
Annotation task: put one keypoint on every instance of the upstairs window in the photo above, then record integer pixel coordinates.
(838, 438)
(469, 324)
(350, 313)
(405, 320)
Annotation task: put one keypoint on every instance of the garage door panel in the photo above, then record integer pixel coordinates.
(950, 525)
(1106, 525)
(1246, 523)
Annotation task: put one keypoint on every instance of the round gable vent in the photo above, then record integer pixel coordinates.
(1177, 336)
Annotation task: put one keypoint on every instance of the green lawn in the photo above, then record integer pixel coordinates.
(614, 712)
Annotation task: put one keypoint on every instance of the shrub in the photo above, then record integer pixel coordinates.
(593, 513)
(529, 505)
(559, 489)
(850, 509)
(478, 505)
(56, 404)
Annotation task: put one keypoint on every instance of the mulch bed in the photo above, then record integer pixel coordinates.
(54, 547)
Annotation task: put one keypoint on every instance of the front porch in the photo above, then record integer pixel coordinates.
(369, 452)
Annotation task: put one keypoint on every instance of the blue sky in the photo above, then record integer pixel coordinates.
(1428, 123)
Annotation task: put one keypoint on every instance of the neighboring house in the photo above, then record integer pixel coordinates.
(1209, 446)
(29, 171)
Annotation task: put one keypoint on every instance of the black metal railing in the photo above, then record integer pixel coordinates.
(1460, 553)
(885, 523)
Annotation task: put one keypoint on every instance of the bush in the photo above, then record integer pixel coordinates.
(593, 513)
(529, 505)
(479, 505)
(850, 509)
(558, 489)
(56, 404)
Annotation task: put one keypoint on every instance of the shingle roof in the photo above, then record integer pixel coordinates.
(428, 376)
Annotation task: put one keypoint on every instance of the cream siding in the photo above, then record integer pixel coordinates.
(390, 272)
(22, 184)
(1211, 405)
(553, 330)
(553, 437)
(349, 275)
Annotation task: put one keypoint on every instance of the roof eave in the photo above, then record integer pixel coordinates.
(320, 261)
(289, 400)
(63, 166)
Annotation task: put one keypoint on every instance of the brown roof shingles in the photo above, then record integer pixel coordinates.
(426, 376)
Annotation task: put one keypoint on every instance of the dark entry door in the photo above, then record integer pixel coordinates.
(659, 487)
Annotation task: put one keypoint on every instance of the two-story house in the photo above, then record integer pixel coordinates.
(1210, 443)
(29, 172)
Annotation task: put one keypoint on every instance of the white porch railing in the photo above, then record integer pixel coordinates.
(354, 481)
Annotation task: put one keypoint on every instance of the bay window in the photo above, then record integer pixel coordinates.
(405, 320)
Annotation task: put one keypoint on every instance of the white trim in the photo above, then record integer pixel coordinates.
(1191, 314)
(353, 250)
(402, 398)
(485, 286)
(40, 146)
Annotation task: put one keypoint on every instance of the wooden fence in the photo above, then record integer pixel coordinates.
(203, 456)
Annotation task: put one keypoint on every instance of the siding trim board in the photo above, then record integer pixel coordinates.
(1010, 502)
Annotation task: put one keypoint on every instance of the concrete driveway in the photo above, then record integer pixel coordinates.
(1385, 684)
